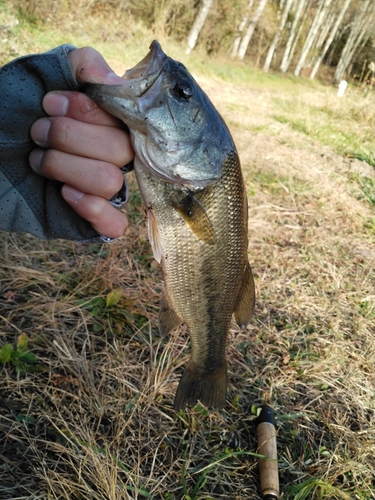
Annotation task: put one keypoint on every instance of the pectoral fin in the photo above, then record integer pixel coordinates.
(195, 216)
(154, 236)
(246, 299)
(168, 319)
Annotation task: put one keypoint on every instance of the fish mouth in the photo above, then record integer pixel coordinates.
(153, 63)
(138, 80)
(144, 75)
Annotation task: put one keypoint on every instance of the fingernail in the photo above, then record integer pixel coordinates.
(35, 159)
(55, 104)
(39, 131)
(71, 194)
(114, 79)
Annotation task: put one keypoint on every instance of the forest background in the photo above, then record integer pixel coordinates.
(333, 39)
(87, 383)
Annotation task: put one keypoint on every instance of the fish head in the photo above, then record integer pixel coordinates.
(177, 133)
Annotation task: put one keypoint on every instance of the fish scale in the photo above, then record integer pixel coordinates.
(189, 175)
(203, 280)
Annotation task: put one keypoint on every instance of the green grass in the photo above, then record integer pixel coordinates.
(346, 127)
(366, 188)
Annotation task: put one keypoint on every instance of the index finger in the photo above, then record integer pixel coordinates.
(78, 106)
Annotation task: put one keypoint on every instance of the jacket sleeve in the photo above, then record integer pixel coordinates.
(29, 202)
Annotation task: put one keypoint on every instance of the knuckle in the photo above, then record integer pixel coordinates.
(60, 132)
(49, 163)
(87, 53)
(97, 209)
(125, 149)
(104, 180)
(113, 181)
(81, 103)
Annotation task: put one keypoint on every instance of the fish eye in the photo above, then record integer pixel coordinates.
(183, 90)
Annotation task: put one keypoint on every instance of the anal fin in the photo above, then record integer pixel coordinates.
(246, 299)
(168, 319)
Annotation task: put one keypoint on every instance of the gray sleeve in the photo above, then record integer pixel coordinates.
(29, 202)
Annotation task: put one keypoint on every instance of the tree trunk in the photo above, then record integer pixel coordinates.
(314, 29)
(276, 38)
(320, 39)
(361, 24)
(198, 24)
(330, 38)
(241, 27)
(293, 36)
(250, 29)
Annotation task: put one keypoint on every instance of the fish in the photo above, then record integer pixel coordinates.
(189, 175)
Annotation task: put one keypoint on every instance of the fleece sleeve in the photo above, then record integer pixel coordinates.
(29, 202)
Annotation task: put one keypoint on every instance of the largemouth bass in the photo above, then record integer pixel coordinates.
(189, 175)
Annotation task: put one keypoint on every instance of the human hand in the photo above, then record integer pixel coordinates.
(83, 146)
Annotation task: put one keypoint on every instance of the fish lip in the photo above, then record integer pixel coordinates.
(140, 78)
(153, 62)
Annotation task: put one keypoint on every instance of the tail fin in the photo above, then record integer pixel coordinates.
(209, 387)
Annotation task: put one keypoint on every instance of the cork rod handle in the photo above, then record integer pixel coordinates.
(268, 470)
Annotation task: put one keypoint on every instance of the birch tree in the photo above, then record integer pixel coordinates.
(359, 34)
(198, 24)
(250, 29)
(321, 36)
(240, 30)
(331, 37)
(275, 41)
(302, 6)
(314, 29)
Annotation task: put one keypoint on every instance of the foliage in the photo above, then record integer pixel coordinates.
(174, 19)
(21, 358)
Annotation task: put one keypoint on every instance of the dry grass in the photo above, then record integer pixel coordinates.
(93, 417)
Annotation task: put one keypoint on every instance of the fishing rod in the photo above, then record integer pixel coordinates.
(268, 470)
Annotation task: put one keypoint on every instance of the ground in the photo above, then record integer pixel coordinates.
(89, 413)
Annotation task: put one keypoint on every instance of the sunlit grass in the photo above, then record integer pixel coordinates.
(346, 124)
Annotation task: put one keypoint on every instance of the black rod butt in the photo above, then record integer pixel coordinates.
(266, 415)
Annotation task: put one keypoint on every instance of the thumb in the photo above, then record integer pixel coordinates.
(88, 65)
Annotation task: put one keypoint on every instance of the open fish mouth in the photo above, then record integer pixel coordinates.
(145, 75)
(140, 79)
(153, 62)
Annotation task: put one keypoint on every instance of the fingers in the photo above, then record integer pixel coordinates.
(104, 218)
(78, 106)
(71, 136)
(93, 176)
(83, 146)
